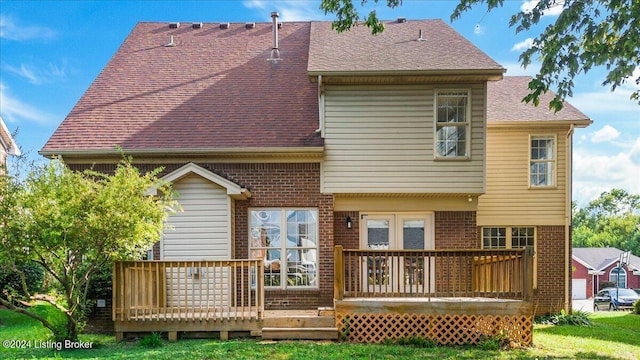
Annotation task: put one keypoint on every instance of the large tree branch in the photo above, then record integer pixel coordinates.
(20, 310)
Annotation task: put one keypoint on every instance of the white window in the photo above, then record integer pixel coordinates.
(618, 275)
(542, 169)
(287, 240)
(507, 237)
(511, 238)
(452, 124)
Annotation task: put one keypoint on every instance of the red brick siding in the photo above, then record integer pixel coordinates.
(99, 319)
(633, 281)
(456, 230)
(348, 238)
(549, 296)
(291, 186)
(579, 271)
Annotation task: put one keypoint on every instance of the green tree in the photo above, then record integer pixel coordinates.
(588, 33)
(72, 224)
(611, 220)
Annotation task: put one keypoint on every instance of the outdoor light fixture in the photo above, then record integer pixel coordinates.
(349, 222)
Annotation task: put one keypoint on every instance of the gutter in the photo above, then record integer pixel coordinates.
(568, 219)
(310, 151)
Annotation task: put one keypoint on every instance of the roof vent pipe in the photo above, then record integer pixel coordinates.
(170, 43)
(420, 38)
(275, 53)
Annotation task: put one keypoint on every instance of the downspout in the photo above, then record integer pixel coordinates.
(320, 107)
(568, 218)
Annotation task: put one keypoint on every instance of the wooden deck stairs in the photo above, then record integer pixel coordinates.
(300, 325)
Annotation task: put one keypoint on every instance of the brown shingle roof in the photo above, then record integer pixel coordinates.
(396, 49)
(504, 103)
(214, 89)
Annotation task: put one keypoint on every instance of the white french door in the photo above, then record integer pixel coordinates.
(398, 231)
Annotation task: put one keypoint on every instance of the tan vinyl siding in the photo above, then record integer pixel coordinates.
(509, 200)
(380, 139)
(202, 230)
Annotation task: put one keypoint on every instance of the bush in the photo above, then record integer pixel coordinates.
(151, 341)
(10, 280)
(492, 343)
(100, 283)
(577, 318)
(636, 307)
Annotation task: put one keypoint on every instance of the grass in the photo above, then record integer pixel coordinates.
(613, 336)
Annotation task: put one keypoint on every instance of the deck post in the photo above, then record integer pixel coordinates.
(172, 336)
(528, 273)
(338, 273)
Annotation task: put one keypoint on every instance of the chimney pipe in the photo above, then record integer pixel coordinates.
(275, 53)
(274, 17)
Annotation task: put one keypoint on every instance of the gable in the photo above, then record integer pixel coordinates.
(233, 190)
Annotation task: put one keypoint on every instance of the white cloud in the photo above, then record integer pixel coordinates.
(595, 173)
(11, 31)
(553, 10)
(290, 10)
(516, 69)
(14, 110)
(630, 82)
(607, 133)
(479, 29)
(605, 102)
(37, 76)
(523, 45)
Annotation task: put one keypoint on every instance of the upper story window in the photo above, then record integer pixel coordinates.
(452, 124)
(542, 167)
(287, 241)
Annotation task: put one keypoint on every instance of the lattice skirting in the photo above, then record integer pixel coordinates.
(445, 329)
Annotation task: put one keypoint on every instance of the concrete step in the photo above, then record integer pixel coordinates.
(299, 322)
(319, 333)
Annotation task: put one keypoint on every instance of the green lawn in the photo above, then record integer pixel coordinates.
(614, 336)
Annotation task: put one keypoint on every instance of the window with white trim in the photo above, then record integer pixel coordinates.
(452, 124)
(287, 241)
(511, 237)
(618, 275)
(542, 169)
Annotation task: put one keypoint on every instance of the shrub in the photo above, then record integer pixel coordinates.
(10, 280)
(151, 341)
(100, 283)
(577, 318)
(492, 343)
(636, 307)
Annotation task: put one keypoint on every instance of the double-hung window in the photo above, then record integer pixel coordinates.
(287, 241)
(542, 169)
(452, 124)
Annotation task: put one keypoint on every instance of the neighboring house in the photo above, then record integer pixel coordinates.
(393, 181)
(594, 266)
(7, 145)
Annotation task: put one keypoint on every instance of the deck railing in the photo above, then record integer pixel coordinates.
(506, 274)
(188, 290)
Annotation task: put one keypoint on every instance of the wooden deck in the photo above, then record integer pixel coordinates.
(450, 296)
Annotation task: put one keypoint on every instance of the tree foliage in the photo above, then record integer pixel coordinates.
(72, 224)
(612, 220)
(586, 34)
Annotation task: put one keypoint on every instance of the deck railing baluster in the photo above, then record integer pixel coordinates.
(432, 273)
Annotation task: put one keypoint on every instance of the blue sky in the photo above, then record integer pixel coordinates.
(51, 51)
